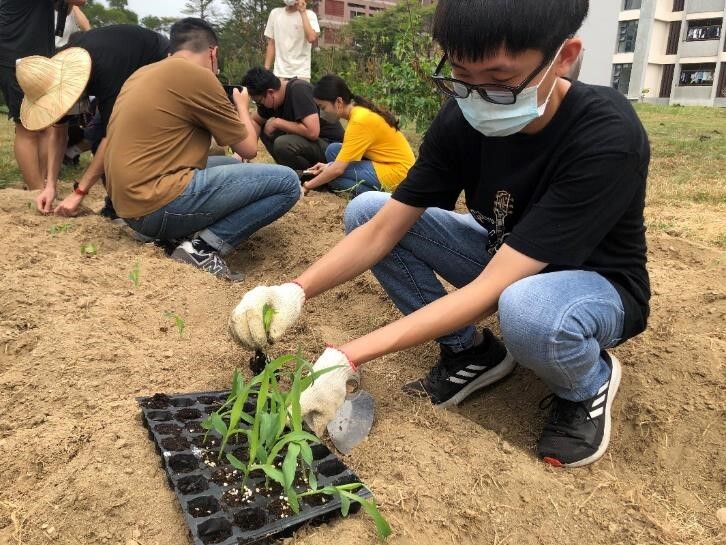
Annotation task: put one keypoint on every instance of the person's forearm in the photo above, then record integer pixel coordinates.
(460, 308)
(293, 127)
(57, 142)
(310, 34)
(95, 169)
(83, 23)
(247, 148)
(333, 171)
(269, 54)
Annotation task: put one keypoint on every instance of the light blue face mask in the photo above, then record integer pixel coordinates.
(505, 119)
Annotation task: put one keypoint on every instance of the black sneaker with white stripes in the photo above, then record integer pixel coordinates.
(578, 433)
(198, 253)
(457, 375)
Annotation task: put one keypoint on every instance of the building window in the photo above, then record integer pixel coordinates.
(631, 4)
(693, 75)
(621, 77)
(627, 32)
(678, 5)
(704, 29)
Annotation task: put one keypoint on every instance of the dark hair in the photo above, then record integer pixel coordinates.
(330, 87)
(478, 29)
(258, 81)
(192, 34)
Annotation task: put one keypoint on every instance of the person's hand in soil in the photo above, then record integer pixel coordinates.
(247, 322)
(69, 206)
(326, 395)
(44, 201)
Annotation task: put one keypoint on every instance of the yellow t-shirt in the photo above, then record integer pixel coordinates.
(160, 131)
(369, 137)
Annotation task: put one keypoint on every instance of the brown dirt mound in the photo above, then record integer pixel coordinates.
(78, 342)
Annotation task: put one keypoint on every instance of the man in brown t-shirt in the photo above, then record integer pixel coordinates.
(159, 175)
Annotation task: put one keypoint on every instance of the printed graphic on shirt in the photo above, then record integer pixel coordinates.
(496, 226)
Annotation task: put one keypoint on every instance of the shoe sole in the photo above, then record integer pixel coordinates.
(615, 376)
(503, 368)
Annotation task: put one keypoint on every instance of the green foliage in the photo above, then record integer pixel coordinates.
(267, 313)
(389, 58)
(135, 274)
(61, 228)
(89, 249)
(178, 322)
(116, 14)
(275, 431)
(158, 24)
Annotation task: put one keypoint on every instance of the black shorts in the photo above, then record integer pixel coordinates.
(11, 91)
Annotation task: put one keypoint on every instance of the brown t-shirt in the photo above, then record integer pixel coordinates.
(160, 131)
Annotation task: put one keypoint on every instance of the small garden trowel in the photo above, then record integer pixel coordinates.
(354, 419)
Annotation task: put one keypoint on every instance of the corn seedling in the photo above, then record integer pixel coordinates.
(61, 228)
(89, 249)
(135, 274)
(275, 429)
(178, 322)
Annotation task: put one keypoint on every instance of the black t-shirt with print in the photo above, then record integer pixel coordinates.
(571, 195)
(118, 51)
(26, 28)
(297, 105)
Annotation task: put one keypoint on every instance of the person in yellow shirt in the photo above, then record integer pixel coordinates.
(374, 155)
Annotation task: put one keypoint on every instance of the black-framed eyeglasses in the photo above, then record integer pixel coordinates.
(495, 93)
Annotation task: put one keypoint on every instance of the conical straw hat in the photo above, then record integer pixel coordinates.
(51, 86)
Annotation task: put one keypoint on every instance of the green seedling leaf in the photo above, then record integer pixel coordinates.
(289, 464)
(383, 529)
(272, 472)
(61, 228)
(236, 463)
(344, 505)
(89, 249)
(267, 313)
(218, 424)
(135, 274)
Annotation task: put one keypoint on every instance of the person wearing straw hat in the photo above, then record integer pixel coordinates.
(26, 28)
(112, 54)
(158, 173)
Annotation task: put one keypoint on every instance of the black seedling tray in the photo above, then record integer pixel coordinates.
(209, 490)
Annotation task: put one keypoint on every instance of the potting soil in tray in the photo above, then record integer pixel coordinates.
(216, 508)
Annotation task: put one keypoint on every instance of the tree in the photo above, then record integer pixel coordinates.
(204, 9)
(116, 14)
(158, 24)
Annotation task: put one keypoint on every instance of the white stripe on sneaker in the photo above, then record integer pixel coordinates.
(599, 401)
(597, 412)
(603, 387)
(473, 367)
(463, 373)
(457, 380)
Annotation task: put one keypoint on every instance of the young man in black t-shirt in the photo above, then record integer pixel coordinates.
(26, 28)
(554, 176)
(116, 52)
(288, 119)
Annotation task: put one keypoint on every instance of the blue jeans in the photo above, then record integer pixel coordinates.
(359, 176)
(225, 203)
(555, 324)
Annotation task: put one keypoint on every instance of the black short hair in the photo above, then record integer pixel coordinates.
(258, 80)
(192, 34)
(477, 29)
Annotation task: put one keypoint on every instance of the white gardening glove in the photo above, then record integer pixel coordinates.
(326, 395)
(246, 324)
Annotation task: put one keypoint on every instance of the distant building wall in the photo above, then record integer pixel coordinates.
(598, 33)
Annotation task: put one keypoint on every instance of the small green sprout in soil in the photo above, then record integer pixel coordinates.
(135, 274)
(274, 431)
(61, 228)
(178, 322)
(89, 249)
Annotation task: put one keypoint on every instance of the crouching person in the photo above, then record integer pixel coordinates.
(160, 178)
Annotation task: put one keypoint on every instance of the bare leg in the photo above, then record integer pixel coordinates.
(27, 154)
(43, 150)
(57, 143)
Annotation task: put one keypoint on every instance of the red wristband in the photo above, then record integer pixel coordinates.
(350, 361)
(79, 191)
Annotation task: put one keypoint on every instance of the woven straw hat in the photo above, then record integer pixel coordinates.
(51, 86)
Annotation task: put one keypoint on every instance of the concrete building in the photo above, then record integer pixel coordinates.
(671, 51)
(599, 41)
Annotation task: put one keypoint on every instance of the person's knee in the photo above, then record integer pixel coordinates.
(523, 321)
(363, 208)
(332, 151)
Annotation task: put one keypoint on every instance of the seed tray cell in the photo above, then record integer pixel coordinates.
(208, 490)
